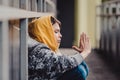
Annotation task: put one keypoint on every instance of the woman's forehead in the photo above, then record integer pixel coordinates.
(56, 26)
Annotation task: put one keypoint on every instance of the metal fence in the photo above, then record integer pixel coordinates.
(14, 18)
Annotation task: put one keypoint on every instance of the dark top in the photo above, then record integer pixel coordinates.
(44, 64)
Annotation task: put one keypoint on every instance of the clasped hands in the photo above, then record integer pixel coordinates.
(84, 47)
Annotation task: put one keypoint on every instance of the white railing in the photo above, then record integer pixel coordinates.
(109, 15)
(18, 12)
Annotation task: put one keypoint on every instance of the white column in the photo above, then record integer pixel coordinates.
(82, 21)
(80, 18)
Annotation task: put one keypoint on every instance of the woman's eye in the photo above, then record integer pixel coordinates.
(56, 31)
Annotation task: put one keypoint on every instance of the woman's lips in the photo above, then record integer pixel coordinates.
(59, 41)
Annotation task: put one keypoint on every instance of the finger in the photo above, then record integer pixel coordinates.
(81, 44)
(76, 48)
(88, 40)
(83, 41)
(84, 38)
(81, 38)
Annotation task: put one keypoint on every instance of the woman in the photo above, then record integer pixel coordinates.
(45, 62)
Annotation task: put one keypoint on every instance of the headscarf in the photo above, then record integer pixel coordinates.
(41, 29)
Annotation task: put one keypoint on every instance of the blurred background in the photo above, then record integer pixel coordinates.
(99, 19)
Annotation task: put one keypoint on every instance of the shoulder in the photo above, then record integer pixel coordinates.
(34, 45)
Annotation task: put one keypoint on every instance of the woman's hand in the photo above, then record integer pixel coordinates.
(84, 45)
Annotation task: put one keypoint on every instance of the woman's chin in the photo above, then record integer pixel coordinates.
(58, 44)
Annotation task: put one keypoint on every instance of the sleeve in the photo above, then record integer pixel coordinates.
(45, 59)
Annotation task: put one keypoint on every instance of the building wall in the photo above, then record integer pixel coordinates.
(85, 20)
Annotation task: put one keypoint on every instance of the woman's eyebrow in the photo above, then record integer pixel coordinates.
(57, 29)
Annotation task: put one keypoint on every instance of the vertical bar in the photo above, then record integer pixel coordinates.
(23, 4)
(4, 51)
(5, 2)
(39, 5)
(1, 50)
(29, 5)
(23, 50)
(44, 5)
(16, 3)
(55, 7)
(34, 5)
(0, 2)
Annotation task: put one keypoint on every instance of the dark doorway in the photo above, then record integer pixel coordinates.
(65, 9)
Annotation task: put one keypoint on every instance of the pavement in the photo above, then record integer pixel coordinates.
(99, 69)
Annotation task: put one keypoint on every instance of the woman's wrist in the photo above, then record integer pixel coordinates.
(84, 54)
(78, 57)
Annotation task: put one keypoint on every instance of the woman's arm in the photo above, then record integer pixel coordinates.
(42, 58)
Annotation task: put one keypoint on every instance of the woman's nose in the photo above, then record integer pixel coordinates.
(60, 35)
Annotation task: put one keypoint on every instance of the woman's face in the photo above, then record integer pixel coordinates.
(58, 35)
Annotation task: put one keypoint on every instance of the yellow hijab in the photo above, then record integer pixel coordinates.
(42, 30)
